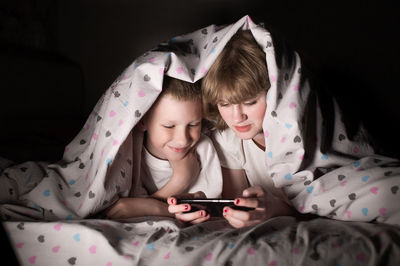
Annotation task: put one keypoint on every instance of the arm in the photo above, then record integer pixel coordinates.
(185, 172)
(234, 182)
(136, 207)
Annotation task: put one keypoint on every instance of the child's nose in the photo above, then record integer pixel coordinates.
(238, 114)
(182, 137)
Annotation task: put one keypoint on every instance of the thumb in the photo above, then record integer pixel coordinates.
(253, 192)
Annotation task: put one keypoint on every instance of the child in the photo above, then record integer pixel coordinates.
(273, 143)
(237, 108)
(176, 157)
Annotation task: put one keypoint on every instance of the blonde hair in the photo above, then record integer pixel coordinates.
(238, 74)
(181, 90)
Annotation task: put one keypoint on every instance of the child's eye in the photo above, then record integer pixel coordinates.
(168, 126)
(194, 125)
(250, 102)
(223, 104)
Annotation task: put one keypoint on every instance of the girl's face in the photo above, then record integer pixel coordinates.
(173, 127)
(246, 118)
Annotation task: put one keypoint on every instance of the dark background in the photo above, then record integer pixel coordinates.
(57, 57)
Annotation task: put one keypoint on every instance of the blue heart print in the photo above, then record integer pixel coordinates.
(365, 178)
(46, 193)
(150, 246)
(77, 237)
(287, 125)
(288, 176)
(310, 189)
(365, 211)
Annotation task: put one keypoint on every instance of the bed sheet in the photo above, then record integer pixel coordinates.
(162, 241)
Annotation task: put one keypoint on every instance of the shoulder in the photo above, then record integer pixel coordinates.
(204, 145)
(226, 139)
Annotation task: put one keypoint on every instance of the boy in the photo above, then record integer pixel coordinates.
(176, 157)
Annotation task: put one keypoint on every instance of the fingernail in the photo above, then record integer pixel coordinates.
(202, 213)
(237, 201)
(225, 209)
(186, 207)
(172, 201)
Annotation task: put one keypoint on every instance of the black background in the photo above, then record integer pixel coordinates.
(353, 46)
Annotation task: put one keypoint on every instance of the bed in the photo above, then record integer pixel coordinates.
(52, 212)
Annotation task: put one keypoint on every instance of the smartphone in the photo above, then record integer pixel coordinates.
(212, 206)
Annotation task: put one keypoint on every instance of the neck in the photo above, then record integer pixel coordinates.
(260, 141)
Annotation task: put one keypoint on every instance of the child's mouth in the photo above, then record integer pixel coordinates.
(243, 128)
(178, 150)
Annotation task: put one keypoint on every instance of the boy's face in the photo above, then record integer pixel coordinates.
(173, 127)
(246, 118)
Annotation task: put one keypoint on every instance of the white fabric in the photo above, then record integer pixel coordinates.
(156, 172)
(235, 153)
(324, 170)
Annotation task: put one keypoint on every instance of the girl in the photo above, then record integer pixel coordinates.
(280, 152)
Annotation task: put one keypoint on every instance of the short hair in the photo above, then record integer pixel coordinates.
(238, 74)
(181, 90)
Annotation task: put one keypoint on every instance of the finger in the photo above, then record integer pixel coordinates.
(247, 217)
(191, 216)
(250, 202)
(201, 220)
(199, 195)
(172, 201)
(237, 223)
(179, 208)
(255, 191)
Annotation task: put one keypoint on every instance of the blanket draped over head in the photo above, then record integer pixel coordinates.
(322, 168)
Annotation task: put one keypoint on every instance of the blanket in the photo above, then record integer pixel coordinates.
(152, 241)
(323, 168)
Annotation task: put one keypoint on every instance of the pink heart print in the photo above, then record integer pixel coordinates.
(382, 211)
(92, 249)
(251, 251)
(167, 255)
(32, 259)
(374, 190)
(57, 227)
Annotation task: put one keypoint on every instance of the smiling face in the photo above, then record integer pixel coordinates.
(173, 127)
(245, 118)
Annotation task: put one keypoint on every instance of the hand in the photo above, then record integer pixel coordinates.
(186, 170)
(180, 209)
(266, 206)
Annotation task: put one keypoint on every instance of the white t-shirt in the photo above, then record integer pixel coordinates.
(235, 153)
(156, 172)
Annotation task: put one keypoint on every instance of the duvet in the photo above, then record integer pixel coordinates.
(53, 211)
